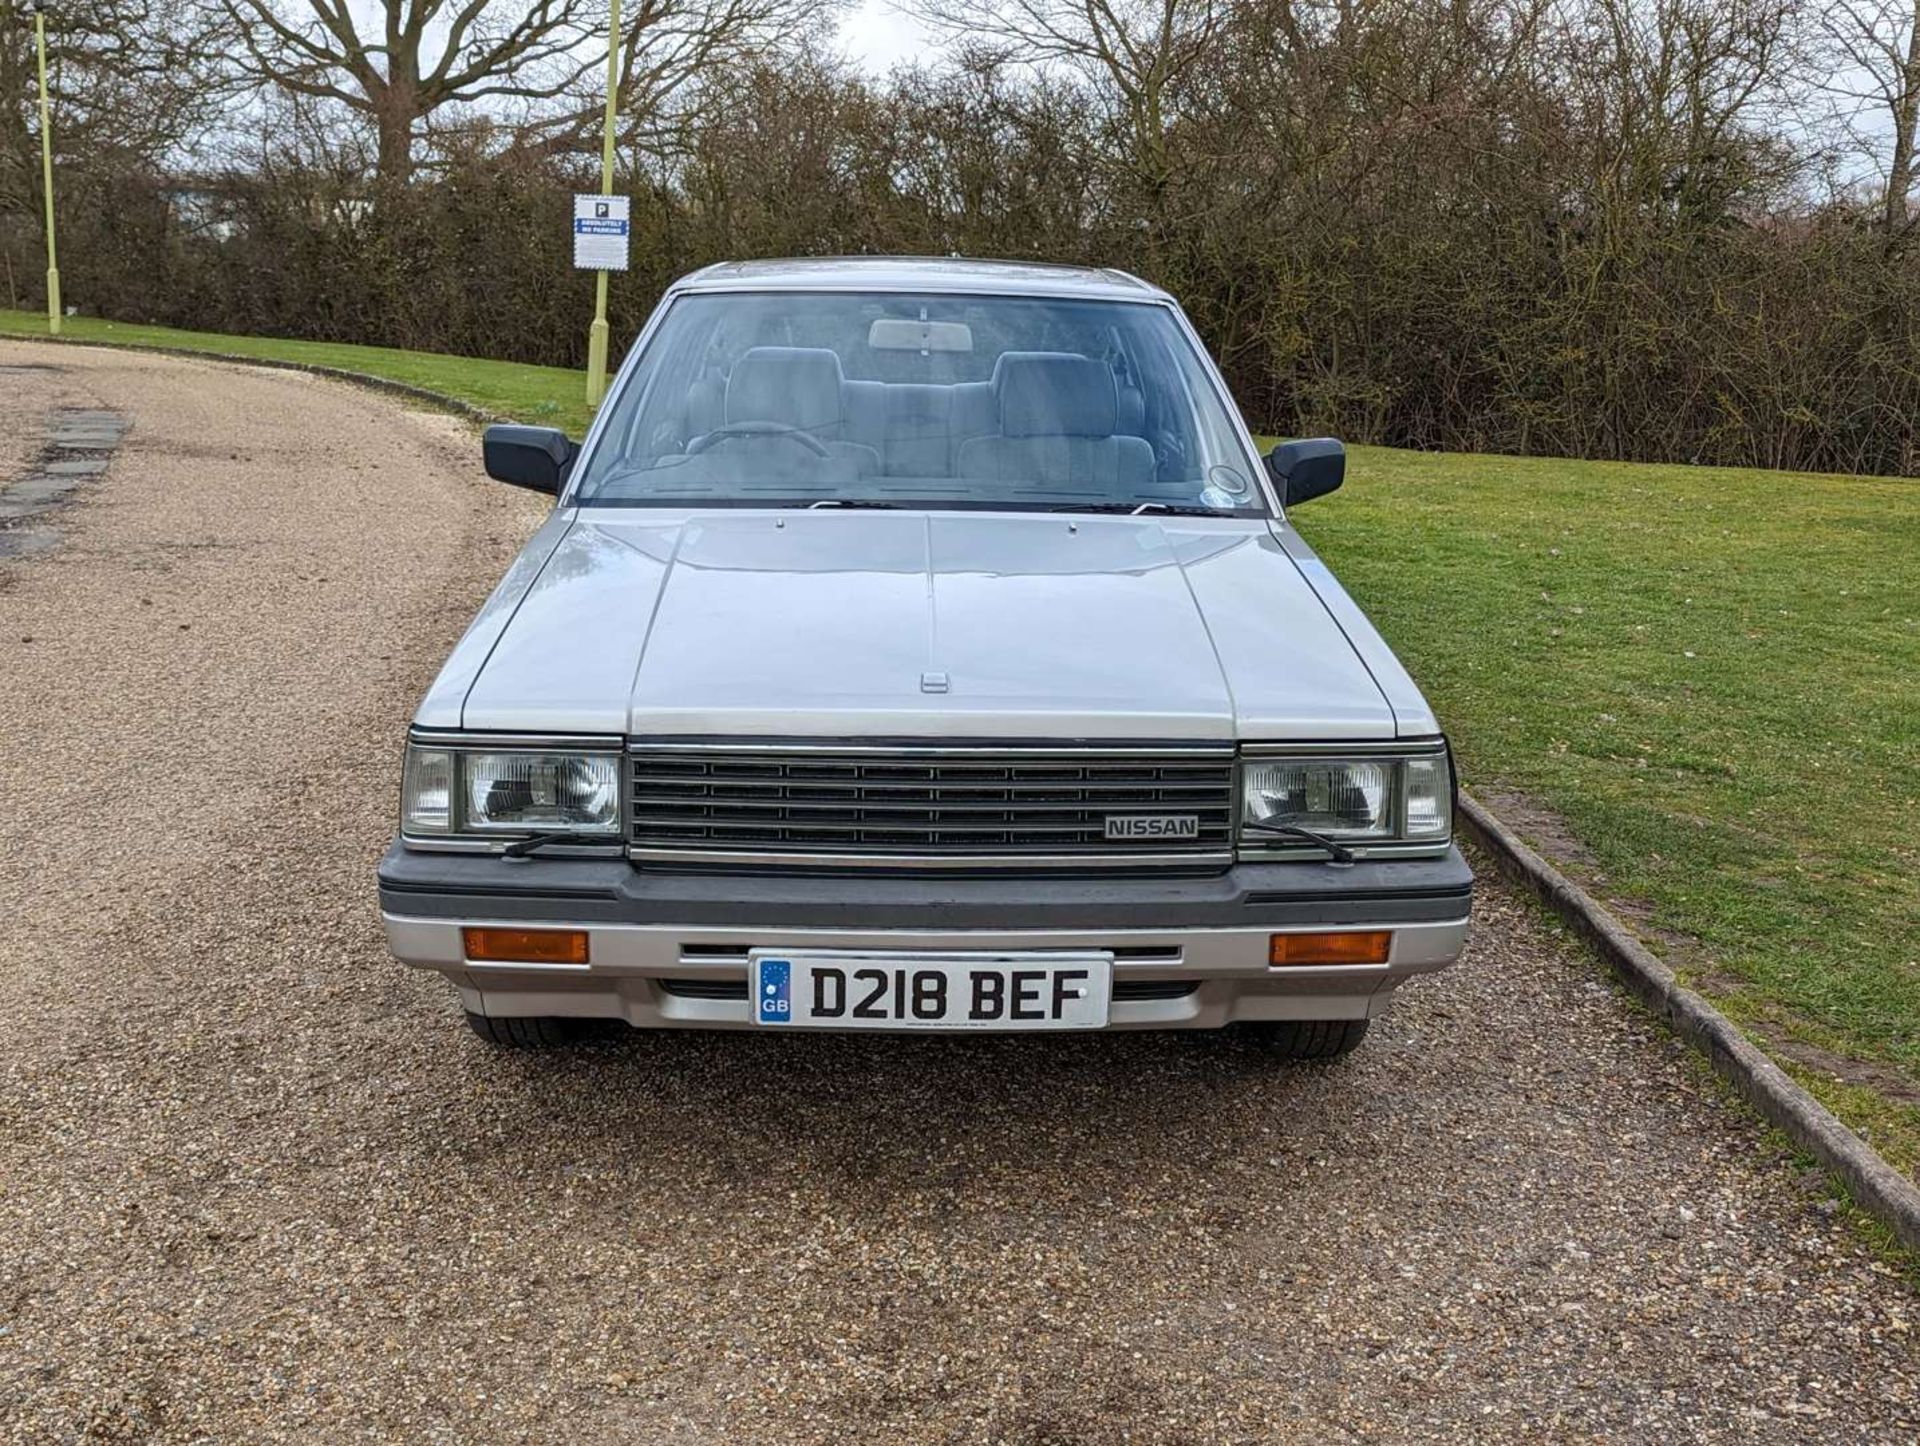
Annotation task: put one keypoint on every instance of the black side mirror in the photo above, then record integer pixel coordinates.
(536, 457)
(1305, 470)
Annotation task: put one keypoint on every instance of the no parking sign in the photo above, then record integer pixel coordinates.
(600, 226)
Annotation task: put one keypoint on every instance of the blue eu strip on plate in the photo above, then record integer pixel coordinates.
(773, 991)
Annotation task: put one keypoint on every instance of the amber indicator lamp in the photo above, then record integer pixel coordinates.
(526, 946)
(1370, 947)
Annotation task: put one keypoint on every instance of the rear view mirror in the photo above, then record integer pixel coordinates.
(536, 457)
(1305, 470)
(891, 333)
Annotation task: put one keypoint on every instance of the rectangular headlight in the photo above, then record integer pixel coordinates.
(510, 791)
(1339, 797)
(540, 792)
(1366, 798)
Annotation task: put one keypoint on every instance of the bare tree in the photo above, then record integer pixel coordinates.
(1136, 54)
(420, 59)
(125, 74)
(128, 82)
(1674, 98)
(1874, 55)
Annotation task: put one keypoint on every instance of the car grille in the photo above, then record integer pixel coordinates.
(979, 807)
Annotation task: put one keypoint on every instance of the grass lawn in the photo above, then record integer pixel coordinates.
(1698, 689)
(550, 396)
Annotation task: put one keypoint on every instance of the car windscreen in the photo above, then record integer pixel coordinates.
(798, 398)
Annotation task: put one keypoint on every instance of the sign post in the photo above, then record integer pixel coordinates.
(46, 164)
(603, 243)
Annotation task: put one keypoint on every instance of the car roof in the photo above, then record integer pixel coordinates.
(920, 273)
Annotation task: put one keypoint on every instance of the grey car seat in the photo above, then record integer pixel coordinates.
(1059, 428)
(792, 387)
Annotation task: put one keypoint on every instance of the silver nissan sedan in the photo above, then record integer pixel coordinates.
(922, 645)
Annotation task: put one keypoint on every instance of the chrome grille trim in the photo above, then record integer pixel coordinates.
(924, 806)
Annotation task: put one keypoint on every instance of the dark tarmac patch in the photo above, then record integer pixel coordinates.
(80, 443)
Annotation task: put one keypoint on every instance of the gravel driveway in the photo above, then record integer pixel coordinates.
(257, 1181)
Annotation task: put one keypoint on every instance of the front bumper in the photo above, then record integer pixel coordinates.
(670, 949)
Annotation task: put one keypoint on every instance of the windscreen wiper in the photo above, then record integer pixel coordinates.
(1339, 853)
(526, 847)
(848, 502)
(1138, 509)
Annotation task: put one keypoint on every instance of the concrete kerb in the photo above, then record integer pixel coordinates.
(1879, 1189)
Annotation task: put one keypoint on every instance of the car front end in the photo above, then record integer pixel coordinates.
(712, 856)
(836, 697)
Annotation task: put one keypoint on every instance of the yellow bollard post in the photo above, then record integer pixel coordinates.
(597, 334)
(46, 166)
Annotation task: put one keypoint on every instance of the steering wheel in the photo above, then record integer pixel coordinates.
(785, 431)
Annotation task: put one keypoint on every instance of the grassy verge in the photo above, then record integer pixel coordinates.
(550, 396)
(1698, 689)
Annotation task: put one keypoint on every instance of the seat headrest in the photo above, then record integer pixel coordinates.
(798, 385)
(1054, 394)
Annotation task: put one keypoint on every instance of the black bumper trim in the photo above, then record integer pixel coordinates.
(612, 891)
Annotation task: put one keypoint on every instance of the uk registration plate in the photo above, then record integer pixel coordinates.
(829, 989)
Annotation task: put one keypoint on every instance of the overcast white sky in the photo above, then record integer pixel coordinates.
(878, 37)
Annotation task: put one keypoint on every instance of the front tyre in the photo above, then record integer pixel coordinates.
(1308, 1039)
(530, 1031)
